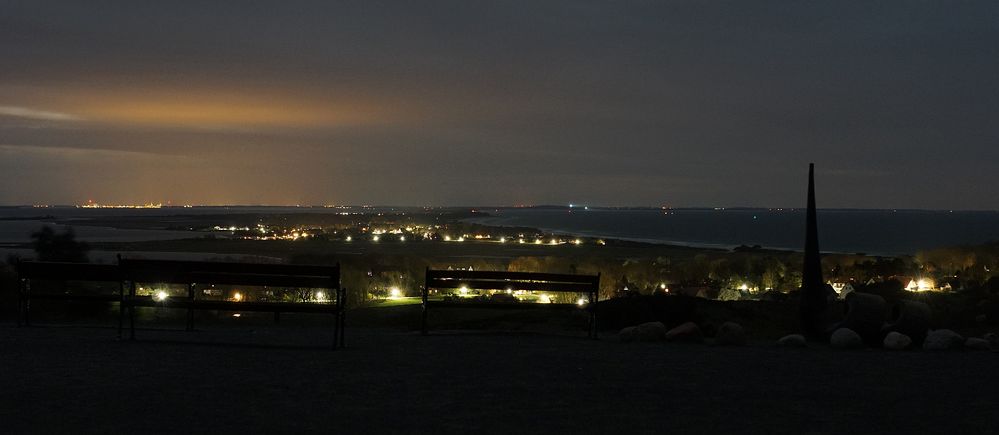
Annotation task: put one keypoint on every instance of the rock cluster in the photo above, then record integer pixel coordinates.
(730, 334)
(974, 343)
(688, 332)
(845, 338)
(942, 339)
(793, 340)
(897, 341)
(651, 331)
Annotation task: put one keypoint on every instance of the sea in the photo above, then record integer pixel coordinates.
(875, 232)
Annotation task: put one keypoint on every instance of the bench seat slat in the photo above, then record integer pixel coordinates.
(209, 272)
(179, 302)
(502, 305)
(513, 285)
(74, 297)
(266, 280)
(513, 276)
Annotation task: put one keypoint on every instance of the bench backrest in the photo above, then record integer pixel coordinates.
(58, 271)
(213, 272)
(495, 280)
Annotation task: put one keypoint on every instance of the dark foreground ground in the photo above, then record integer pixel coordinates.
(76, 379)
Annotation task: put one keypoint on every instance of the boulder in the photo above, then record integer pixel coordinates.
(911, 318)
(845, 338)
(687, 332)
(730, 334)
(793, 340)
(897, 341)
(993, 340)
(628, 334)
(975, 343)
(942, 339)
(651, 331)
(865, 316)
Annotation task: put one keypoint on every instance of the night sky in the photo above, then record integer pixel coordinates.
(686, 103)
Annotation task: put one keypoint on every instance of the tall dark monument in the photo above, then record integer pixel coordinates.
(813, 292)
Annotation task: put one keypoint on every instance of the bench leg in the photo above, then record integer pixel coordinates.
(343, 324)
(190, 309)
(121, 310)
(131, 312)
(121, 318)
(131, 322)
(424, 327)
(27, 310)
(20, 303)
(343, 317)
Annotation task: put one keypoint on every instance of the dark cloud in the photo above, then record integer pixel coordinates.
(466, 102)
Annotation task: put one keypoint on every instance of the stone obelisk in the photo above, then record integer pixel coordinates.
(813, 294)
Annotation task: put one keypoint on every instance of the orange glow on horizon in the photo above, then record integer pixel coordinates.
(213, 113)
(212, 108)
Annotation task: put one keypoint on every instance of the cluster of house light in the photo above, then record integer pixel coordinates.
(400, 234)
(97, 205)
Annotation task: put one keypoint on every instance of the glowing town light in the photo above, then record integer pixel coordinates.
(447, 238)
(395, 292)
(919, 285)
(509, 290)
(463, 290)
(237, 315)
(161, 295)
(402, 238)
(461, 239)
(349, 238)
(581, 302)
(578, 242)
(237, 296)
(538, 241)
(521, 241)
(544, 299)
(320, 296)
(502, 239)
(662, 286)
(375, 238)
(553, 242)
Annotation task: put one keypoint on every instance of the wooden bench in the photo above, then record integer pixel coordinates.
(62, 272)
(509, 282)
(194, 273)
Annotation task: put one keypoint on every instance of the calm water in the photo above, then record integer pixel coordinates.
(19, 231)
(869, 231)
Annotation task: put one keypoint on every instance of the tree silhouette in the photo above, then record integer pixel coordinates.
(52, 246)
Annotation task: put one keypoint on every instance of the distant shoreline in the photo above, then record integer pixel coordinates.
(494, 207)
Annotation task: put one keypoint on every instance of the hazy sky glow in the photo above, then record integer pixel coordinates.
(686, 103)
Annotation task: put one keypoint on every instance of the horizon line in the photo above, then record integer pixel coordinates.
(581, 207)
